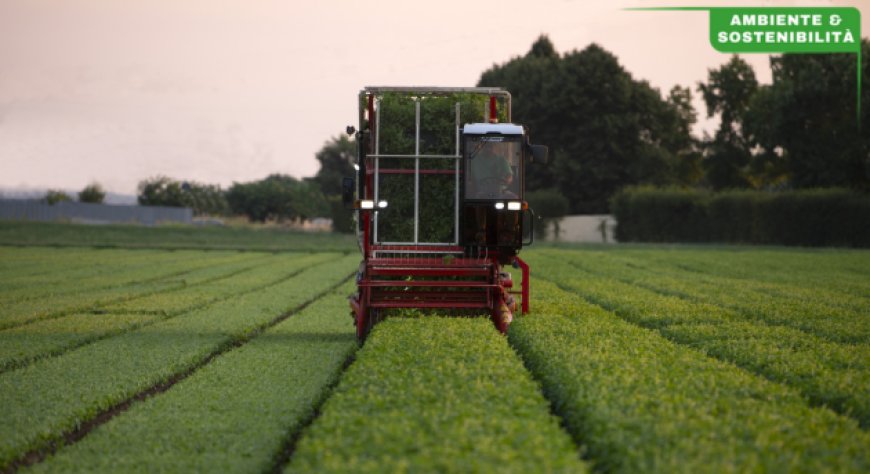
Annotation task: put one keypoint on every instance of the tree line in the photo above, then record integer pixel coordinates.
(277, 197)
(608, 130)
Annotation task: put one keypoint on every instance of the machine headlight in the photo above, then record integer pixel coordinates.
(382, 204)
(499, 205)
(514, 206)
(366, 204)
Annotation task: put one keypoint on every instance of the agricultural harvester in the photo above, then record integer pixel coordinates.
(439, 200)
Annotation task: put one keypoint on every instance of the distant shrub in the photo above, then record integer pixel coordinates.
(93, 193)
(813, 217)
(550, 206)
(53, 196)
(660, 215)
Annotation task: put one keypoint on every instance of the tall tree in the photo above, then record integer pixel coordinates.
(727, 93)
(605, 129)
(336, 160)
(806, 123)
(530, 80)
(685, 167)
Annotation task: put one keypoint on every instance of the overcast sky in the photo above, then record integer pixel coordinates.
(219, 91)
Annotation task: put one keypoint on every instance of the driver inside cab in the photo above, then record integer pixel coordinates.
(492, 174)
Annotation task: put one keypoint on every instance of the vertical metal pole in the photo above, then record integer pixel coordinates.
(377, 161)
(417, 171)
(456, 184)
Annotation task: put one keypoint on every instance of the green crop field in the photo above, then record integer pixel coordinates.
(232, 350)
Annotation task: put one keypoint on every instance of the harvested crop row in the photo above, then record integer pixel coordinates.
(435, 395)
(199, 289)
(640, 403)
(77, 386)
(236, 413)
(175, 276)
(816, 313)
(831, 374)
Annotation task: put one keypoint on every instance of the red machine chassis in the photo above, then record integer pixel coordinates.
(463, 284)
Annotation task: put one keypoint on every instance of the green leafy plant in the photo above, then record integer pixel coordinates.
(436, 395)
(237, 413)
(74, 388)
(640, 403)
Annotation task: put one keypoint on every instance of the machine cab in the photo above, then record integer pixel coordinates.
(494, 157)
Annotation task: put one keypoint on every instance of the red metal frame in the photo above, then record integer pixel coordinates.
(411, 278)
(412, 282)
(525, 285)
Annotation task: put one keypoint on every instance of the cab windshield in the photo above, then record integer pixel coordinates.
(492, 166)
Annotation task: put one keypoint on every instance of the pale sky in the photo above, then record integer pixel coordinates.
(217, 91)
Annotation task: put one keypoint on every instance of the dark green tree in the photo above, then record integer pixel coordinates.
(160, 191)
(806, 121)
(685, 166)
(204, 199)
(336, 160)
(531, 79)
(605, 129)
(92, 193)
(54, 196)
(277, 197)
(727, 93)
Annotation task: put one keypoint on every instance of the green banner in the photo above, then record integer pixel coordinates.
(785, 30)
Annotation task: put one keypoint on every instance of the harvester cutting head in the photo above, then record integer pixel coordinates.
(440, 201)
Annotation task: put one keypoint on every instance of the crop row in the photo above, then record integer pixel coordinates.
(80, 384)
(41, 263)
(435, 395)
(637, 402)
(831, 374)
(174, 276)
(53, 234)
(105, 269)
(115, 275)
(22, 344)
(191, 296)
(237, 413)
(839, 318)
(841, 272)
(774, 275)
